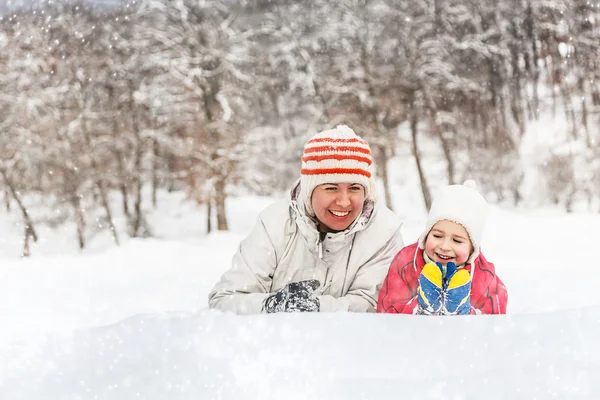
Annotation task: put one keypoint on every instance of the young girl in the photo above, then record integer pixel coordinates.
(444, 273)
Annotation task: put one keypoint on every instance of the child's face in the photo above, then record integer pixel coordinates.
(448, 241)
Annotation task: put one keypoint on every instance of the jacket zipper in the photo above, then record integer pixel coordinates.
(320, 248)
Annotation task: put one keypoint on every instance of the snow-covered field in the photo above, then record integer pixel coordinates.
(132, 322)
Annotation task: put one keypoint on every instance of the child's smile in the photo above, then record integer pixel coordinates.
(448, 241)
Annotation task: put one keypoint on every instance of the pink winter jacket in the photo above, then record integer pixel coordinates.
(398, 294)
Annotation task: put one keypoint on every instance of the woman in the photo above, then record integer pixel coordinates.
(325, 248)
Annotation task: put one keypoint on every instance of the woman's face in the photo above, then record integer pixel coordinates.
(448, 242)
(337, 205)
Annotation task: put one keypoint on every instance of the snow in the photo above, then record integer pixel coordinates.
(208, 355)
(132, 322)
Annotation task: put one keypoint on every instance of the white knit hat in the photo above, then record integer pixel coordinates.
(335, 156)
(462, 204)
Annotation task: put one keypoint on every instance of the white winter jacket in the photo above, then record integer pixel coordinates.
(285, 246)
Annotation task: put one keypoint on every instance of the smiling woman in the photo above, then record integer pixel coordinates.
(337, 205)
(336, 175)
(325, 248)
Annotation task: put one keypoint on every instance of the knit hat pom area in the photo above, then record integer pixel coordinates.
(464, 205)
(335, 156)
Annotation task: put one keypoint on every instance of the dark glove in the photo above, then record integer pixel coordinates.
(430, 290)
(457, 292)
(294, 297)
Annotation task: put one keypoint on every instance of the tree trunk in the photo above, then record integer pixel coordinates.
(503, 110)
(121, 173)
(516, 195)
(106, 206)
(382, 168)
(209, 215)
(137, 210)
(569, 110)
(516, 98)
(100, 185)
(584, 113)
(155, 155)
(439, 130)
(137, 224)
(554, 99)
(532, 61)
(170, 179)
(595, 95)
(220, 197)
(7, 200)
(386, 181)
(79, 220)
(123, 176)
(29, 228)
(124, 201)
(415, 151)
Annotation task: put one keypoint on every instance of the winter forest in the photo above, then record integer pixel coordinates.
(140, 140)
(216, 98)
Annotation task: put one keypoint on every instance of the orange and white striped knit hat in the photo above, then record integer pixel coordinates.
(335, 156)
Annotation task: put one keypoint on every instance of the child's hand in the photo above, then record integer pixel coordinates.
(430, 290)
(457, 293)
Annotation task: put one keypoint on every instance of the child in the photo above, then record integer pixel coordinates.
(444, 273)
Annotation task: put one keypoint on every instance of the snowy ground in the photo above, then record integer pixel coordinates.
(131, 322)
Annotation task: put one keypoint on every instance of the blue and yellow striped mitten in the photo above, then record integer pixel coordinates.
(457, 291)
(430, 290)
